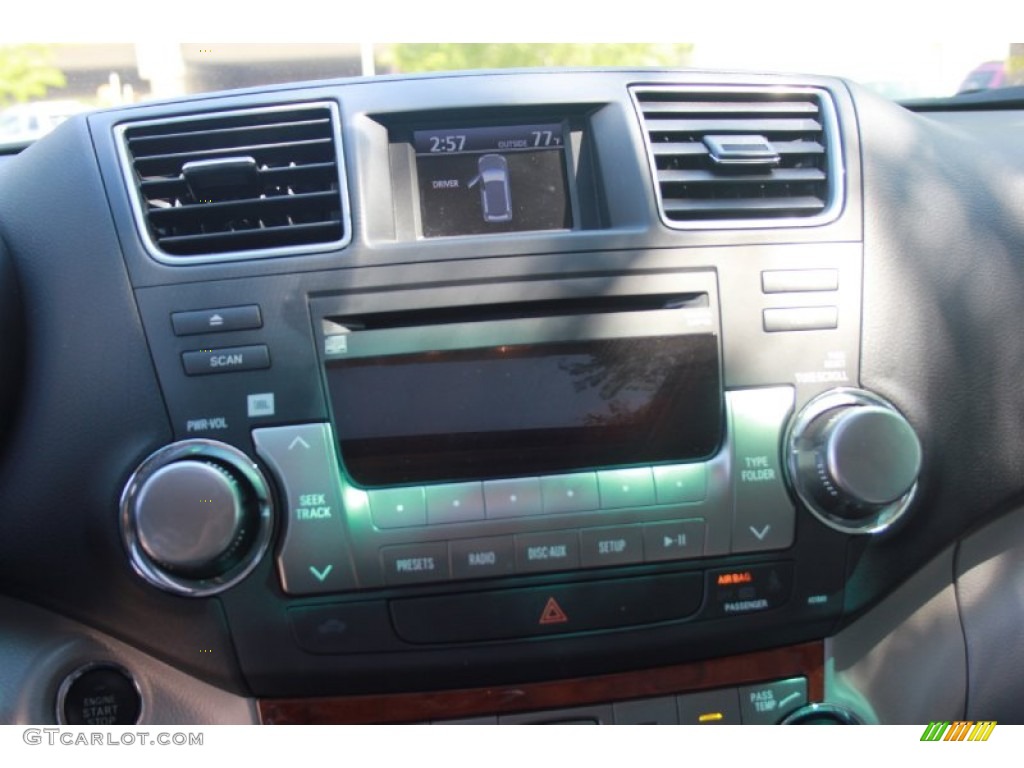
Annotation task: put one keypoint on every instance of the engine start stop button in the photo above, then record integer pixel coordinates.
(99, 694)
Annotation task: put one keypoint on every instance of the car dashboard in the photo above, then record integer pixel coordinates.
(533, 396)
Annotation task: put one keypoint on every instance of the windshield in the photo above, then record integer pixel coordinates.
(42, 84)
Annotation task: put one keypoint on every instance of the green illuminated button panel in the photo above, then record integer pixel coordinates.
(518, 497)
(681, 484)
(314, 555)
(764, 517)
(398, 507)
(673, 540)
(623, 488)
(570, 493)
(455, 503)
(614, 545)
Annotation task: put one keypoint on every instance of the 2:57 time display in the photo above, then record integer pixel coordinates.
(489, 139)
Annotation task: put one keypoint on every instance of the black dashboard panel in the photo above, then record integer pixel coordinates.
(565, 559)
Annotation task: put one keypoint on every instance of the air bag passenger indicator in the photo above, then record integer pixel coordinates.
(492, 179)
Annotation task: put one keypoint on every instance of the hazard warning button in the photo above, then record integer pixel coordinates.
(552, 613)
(536, 611)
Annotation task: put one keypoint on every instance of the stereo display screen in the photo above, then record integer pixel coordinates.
(527, 409)
(474, 181)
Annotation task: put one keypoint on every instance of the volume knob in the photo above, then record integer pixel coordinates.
(853, 460)
(196, 517)
(192, 517)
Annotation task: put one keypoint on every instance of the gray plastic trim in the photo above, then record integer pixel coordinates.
(990, 588)
(39, 649)
(904, 661)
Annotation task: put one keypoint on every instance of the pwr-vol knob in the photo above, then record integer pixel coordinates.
(196, 517)
(853, 460)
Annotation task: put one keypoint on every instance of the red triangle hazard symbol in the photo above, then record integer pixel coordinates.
(552, 613)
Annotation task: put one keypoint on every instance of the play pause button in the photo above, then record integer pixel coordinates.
(673, 540)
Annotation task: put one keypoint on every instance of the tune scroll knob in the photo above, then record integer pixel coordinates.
(853, 460)
(196, 517)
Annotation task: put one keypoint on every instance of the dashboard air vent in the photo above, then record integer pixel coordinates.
(241, 184)
(742, 157)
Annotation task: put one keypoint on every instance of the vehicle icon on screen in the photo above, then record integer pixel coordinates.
(495, 195)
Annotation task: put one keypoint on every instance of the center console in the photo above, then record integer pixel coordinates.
(539, 423)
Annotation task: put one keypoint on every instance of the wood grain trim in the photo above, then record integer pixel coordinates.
(806, 659)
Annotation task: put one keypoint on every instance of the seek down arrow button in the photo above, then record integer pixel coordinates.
(321, 575)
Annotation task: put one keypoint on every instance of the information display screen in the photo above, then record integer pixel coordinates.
(476, 181)
(526, 409)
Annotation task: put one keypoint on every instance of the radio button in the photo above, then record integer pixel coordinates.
(512, 498)
(681, 484)
(477, 558)
(398, 507)
(570, 493)
(455, 503)
(617, 545)
(622, 488)
(673, 540)
(415, 563)
(764, 517)
(547, 551)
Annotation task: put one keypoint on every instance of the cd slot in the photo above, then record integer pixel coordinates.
(567, 307)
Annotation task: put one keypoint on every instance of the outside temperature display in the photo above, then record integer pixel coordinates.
(492, 179)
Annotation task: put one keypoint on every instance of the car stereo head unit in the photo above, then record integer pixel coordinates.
(459, 401)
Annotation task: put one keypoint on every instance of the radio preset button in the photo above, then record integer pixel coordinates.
(622, 488)
(477, 558)
(615, 545)
(673, 540)
(398, 507)
(455, 503)
(570, 493)
(547, 551)
(415, 563)
(512, 498)
(681, 484)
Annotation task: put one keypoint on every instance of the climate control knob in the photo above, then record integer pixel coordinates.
(196, 517)
(853, 460)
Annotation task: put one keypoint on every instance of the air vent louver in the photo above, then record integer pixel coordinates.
(798, 185)
(241, 184)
